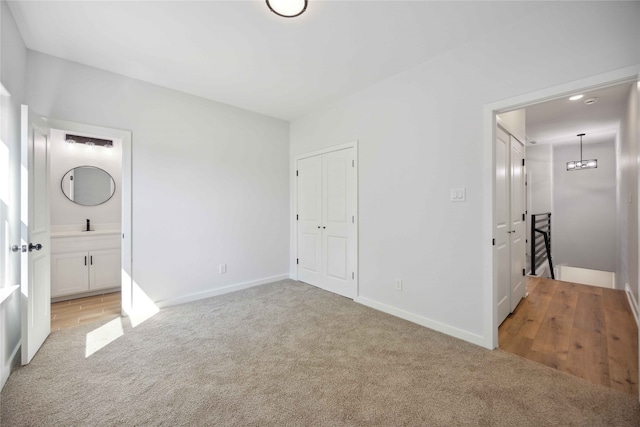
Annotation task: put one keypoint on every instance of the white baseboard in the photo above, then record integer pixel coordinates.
(632, 303)
(423, 321)
(219, 291)
(12, 362)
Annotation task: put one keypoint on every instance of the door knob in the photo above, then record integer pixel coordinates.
(16, 248)
(37, 247)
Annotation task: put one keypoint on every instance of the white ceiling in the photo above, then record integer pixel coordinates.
(560, 120)
(239, 53)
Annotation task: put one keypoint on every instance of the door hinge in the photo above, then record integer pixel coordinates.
(353, 275)
(297, 218)
(523, 273)
(296, 173)
(353, 219)
(494, 242)
(522, 162)
(523, 217)
(353, 163)
(297, 261)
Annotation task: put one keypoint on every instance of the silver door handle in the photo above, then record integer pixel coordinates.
(16, 248)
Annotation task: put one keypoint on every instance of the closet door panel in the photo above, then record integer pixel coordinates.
(338, 203)
(309, 197)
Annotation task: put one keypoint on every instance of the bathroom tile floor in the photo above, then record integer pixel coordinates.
(80, 311)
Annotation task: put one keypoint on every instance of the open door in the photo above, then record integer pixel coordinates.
(35, 234)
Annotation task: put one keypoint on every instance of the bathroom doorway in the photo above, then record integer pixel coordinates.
(90, 217)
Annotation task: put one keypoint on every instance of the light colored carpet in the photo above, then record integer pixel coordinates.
(290, 354)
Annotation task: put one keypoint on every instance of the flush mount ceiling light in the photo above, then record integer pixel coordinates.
(576, 97)
(287, 8)
(582, 164)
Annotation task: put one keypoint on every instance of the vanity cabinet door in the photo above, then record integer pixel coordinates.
(69, 273)
(104, 269)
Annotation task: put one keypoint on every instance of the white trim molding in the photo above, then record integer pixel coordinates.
(422, 321)
(219, 291)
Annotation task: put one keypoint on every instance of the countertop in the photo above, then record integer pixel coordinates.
(83, 233)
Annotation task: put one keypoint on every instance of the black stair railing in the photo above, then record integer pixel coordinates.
(541, 241)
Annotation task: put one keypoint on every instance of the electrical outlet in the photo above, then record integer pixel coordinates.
(223, 268)
(398, 284)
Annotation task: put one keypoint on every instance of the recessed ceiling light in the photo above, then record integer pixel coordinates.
(575, 97)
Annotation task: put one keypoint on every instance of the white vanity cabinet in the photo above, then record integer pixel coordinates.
(84, 263)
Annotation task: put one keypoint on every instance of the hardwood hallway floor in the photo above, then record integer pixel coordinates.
(584, 330)
(79, 311)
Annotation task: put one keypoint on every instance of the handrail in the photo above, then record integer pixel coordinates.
(541, 225)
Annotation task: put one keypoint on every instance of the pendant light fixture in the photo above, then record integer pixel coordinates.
(287, 8)
(582, 164)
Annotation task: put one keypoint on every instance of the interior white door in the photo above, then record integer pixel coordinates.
(309, 218)
(35, 275)
(338, 229)
(501, 249)
(327, 239)
(517, 221)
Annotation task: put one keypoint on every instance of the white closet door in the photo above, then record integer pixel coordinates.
(338, 210)
(310, 220)
(502, 255)
(518, 233)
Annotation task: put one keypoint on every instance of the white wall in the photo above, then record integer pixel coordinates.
(539, 187)
(584, 208)
(539, 160)
(210, 183)
(420, 134)
(64, 157)
(627, 197)
(13, 56)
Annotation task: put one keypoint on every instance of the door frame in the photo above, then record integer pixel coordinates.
(127, 200)
(354, 145)
(489, 285)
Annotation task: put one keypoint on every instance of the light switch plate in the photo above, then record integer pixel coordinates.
(458, 194)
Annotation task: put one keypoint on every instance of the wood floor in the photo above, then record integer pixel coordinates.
(84, 310)
(584, 330)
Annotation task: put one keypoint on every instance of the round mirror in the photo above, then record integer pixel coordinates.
(88, 185)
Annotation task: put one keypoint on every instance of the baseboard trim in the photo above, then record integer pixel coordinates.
(423, 321)
(219, 291)
(632, 303)
(13, 362)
